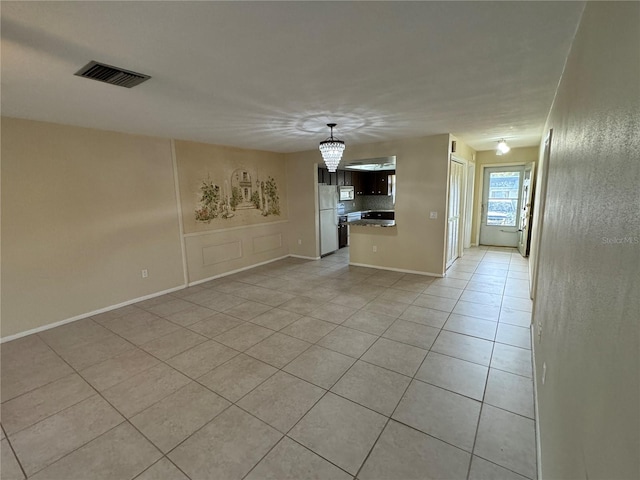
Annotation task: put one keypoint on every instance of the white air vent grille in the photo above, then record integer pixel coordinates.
(110, 74)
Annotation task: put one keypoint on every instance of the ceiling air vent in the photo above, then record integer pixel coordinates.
(110, 74)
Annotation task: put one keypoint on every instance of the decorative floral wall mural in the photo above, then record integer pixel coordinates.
(241, 194)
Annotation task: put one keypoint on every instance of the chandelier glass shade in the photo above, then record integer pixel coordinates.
(331, 150)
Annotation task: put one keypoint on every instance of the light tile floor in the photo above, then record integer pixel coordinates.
(296, 369)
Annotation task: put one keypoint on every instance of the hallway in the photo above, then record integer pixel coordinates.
(288, 370)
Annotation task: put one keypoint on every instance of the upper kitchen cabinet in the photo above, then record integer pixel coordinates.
(372, 183)
(348, 177)
(381, 182)
(375, 176)
(324, 176)
(372, 176)
(358, 182)
(339, 177)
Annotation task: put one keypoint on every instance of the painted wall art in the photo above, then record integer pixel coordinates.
(241, 194)
(226, 187)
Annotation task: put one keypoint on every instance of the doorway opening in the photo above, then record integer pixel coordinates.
(501, 205)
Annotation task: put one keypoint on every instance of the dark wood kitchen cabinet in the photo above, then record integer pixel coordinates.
(373, 183)
(379, 183)
(343, 235)
(357, 182)
(348, 177)
(324, 176)
(339, 177)
(364, 183)
(321, 174)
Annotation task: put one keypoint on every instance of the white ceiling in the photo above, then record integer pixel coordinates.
(270, 75)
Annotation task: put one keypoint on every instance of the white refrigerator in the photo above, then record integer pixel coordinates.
(327, 204)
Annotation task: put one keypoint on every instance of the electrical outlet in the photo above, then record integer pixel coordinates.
(375, 249)
(299, 241)
(544, 372)
(145, 273)
(433, 215)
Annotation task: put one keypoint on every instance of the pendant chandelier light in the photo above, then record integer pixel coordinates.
(502, 147)
(331, 150)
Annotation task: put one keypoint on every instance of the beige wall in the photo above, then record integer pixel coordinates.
(587, 300)
(417, 243)
(463, 150)
(484, 158)
(83, 212)
(247, 238)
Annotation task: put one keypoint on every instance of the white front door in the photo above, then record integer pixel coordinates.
(501, 200)
(454, 210)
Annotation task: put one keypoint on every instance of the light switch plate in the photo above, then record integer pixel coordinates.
(433, 215)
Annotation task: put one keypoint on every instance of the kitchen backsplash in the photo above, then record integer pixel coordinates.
(366, 202)
(375, 202)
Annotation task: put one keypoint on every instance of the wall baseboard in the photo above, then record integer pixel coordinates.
(49, 326)
(535, 404)
(128, 302)
(190, 284)
(401, 270)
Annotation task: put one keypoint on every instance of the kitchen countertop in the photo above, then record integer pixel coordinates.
(373, 223)
(365, 211)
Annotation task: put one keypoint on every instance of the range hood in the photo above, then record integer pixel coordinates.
(372, 164)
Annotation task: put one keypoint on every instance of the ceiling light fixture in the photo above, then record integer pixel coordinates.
(331, 150)
(502, 147)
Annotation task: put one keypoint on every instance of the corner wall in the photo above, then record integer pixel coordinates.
(588, 294)
(417, 243)
(84, 211)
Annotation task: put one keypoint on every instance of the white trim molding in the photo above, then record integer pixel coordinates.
(401, 270)
(303, 257)
(89, 314)
(535, 403)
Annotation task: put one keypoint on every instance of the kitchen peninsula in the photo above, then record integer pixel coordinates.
(373, 241)
(373, 223)
(374, 218)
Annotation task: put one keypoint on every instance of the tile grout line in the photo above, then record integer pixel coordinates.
(361, 309)
(126, 420)
(327, 391)
(15, 455)
(390, 417)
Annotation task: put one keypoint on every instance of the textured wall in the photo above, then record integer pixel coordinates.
(587, 301)
(83, 212)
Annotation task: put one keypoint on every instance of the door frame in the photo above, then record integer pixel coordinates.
(470, 173)
(463, 204)
(538, 213)
(528, 206)
(478, 212)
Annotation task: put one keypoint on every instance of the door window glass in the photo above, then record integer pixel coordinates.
(502, 205)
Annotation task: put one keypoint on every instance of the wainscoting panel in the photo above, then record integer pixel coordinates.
(224, 252)
(214, 253)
